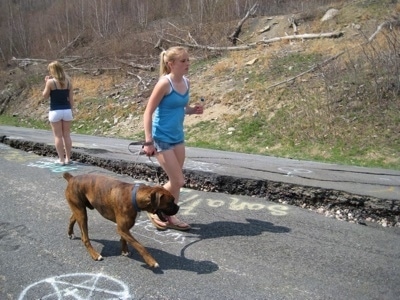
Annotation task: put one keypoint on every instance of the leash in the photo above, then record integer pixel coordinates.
(141, 152)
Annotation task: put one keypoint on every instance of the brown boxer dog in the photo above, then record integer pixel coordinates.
(116, 201)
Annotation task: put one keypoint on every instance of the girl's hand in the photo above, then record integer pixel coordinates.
(149, 150)
(198, 109)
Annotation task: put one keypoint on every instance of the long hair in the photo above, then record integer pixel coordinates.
(170, 55)
(57, 71)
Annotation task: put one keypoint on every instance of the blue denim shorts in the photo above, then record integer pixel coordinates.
(163, 146)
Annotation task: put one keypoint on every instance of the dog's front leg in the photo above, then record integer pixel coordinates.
(124, 247)
(126, 235)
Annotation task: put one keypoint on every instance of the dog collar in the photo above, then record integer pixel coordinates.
(134, 202)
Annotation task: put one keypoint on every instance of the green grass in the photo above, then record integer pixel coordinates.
(23, 122)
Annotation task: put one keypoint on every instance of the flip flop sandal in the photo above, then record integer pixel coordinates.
(180, 225)
(154, 218)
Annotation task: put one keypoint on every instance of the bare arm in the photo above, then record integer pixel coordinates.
(160, 89)
(196, 109)
(47, 89)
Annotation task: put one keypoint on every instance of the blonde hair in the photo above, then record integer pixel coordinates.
(170, 55)
(57, 71)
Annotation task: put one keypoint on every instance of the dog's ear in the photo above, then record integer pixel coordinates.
(155, 198)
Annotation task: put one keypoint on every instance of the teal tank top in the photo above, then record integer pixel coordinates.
(169, 116)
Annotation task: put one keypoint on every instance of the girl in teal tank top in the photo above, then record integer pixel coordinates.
(169, 116)
(163, 125)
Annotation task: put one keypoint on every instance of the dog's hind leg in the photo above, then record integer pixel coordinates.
(80, 215)
(85, 237)
(72, 221)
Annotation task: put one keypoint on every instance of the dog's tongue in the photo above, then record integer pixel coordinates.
(161, 216)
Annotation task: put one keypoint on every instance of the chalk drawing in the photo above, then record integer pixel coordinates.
(188, 207)
(236, 204)
(54, 167)
(215, 203)
(200, 166)
(277, 209)
(395, 180)
(293, 171)
(82, 286)
(190, 203)
(385, 179)
(162, 237)
(18, 156)
(22, 157)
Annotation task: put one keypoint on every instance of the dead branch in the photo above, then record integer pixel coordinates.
(382, 26)
(235, 35)
(69, 44)
(159, 45)
(265, 29)
(188, 33)
(292, 23)
(139, 78)
(308, 71)
(136, 66)
(29, 59)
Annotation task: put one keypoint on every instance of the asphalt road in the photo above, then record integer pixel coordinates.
(239, 248)
(371, 182)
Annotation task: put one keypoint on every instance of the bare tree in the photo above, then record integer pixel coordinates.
(45, 27)
(235, 35)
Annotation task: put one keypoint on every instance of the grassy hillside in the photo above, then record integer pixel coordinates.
(324, 99)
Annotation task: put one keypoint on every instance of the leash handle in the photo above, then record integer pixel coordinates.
(141, 151)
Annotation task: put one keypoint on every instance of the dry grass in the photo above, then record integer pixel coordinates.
(93, 86)
(333, 113)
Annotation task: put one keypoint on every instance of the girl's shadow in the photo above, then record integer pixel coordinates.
(228, 228)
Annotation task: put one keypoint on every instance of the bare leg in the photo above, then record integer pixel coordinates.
(172, 163)
(66, 132)
(58, 139)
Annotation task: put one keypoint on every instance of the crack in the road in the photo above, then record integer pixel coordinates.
(332, 203)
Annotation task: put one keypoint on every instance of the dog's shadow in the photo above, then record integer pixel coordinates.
(198, 233)
(166, 260)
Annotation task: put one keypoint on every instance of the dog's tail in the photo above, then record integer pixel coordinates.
(67, 176)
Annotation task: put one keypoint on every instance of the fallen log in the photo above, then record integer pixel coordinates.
(305, 36)
(335, 34)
